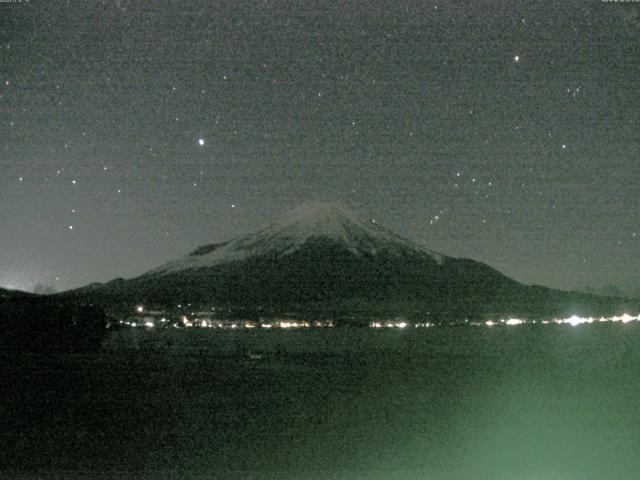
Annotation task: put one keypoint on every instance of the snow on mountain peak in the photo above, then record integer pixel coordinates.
(311, 220)
(316, 218)
(317, 211)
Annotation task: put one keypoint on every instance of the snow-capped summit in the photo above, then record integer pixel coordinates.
(314, 221)
(317, 218)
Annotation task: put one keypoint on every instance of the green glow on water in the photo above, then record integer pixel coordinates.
(491, 403)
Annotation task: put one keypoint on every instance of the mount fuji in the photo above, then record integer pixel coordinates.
(323, 259)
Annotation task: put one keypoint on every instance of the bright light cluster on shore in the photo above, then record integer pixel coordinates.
(389, 324)
(514, 321)
(186, 322)
(574, 320)
(155, 318)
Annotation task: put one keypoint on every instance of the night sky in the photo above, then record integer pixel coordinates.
(133, 132)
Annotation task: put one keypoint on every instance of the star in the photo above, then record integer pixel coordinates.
(516, 58)
(201, 142)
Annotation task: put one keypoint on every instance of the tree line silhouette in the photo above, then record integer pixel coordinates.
(45, 324)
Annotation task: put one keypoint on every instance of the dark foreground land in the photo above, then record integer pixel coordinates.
(527, 402)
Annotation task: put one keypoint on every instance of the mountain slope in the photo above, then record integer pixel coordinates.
(322, 257)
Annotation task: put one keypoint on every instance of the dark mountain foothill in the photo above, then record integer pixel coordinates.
(34, 323)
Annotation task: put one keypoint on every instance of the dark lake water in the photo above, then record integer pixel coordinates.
(526, 402)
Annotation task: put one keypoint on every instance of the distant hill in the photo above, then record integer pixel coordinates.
(322, 259)
(612, 291)
(4, 293)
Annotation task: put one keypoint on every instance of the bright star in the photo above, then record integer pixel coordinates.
(201, 142)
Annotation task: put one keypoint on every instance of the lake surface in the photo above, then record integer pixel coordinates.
(525, 402)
